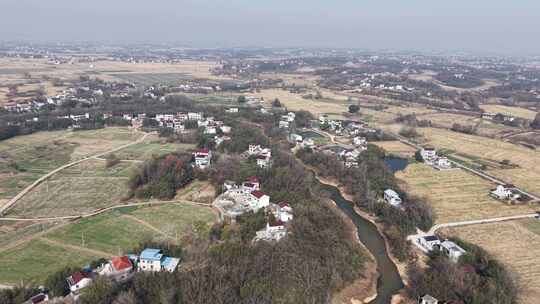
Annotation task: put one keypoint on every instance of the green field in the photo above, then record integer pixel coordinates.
(148, 148)
(111, 233)
(80, 189)
(36, 260)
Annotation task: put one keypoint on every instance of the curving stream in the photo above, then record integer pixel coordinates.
(389, 282)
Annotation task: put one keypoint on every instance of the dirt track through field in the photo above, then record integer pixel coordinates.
(145, 224)
(76, 248)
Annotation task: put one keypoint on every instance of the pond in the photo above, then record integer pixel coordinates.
(396, 164)
(310, 134)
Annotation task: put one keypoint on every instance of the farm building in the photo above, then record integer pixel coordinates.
(154, 260)
(203, 158)
(452, 250)
(427, 299)
(504, 193)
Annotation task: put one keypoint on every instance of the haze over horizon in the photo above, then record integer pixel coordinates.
(494, 26)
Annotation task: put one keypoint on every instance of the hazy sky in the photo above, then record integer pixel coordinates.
(480, 25)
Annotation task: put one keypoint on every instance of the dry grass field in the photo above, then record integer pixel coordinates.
(516, 246)
(152, 145)
(23, 159)
(526, 175)
(396, 147)
(456, 195)
(295, 102)
(484, 127)
(508, 110)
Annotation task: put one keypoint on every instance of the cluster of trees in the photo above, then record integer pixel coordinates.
(467, 129)
(476, 278)
(411, 121)
(161, 177)
(366, 184)
(409, 132)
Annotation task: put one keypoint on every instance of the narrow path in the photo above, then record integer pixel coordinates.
(484, 221)
(76, 248)
(15, 199)
(145, 224)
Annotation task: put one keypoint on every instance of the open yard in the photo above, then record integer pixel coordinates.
(516, 245)
(525, 175)
(82, 188)
(508, 110)
(456, 195)
(108, 234)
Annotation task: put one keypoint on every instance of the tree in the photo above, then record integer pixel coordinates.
(354, 109)
(111, 160)
(56, 283)
(241, 99)
(276, 103)
(418, 156)
(536, 122)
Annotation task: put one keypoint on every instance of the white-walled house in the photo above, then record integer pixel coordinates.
(153, 260)
(427, 299)
(79, 281)
(452, 250)
(392, 198)
(259, 200)
(504, 193)
(203, 158)
(428, 154)
(443, 163)
(429, 242)
(118, 268)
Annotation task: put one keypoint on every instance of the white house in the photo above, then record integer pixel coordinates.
(210, 130)
(323, 118)
(259, 200)
(359, 141)
(195, 116)
(427, 299)
(291, 116)
(232, 110)
(283, 124)
(295, 138)
(264, 161)
(428, 154)
(391, 197)
(203, 158)
(443, 163)
(504, 193)
(225, 129)
(452, 250)
(153, 260)
(429, 242)
(282, 212)
(252, 184)
(79, 281)
(272, 232)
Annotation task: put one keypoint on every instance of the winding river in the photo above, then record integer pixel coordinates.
(389, 282)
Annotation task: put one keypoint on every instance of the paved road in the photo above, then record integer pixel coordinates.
(15, 199)
(482, 174)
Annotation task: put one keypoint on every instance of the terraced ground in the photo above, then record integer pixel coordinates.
(456, 195)
(34, 256)
(516, 245)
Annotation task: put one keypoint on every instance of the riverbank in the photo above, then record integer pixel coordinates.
(401, 266)
(364, 289)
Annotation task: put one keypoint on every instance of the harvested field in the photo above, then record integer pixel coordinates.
(83, 188)
(508, 110)
(524, 176)
(396, 147)
(295, 102)
(516, 246)
(456, 195)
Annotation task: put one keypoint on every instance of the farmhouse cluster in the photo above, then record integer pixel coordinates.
(430, 157)
(122, 268)
(248, 197)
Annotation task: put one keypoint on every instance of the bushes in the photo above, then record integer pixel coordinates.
(463, 129)
(409, 132)
(160, 177)
(111, 160)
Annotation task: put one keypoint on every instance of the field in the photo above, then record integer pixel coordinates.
(23, 159)
(516, 245)
(295, 102)
(104, 235)
(396, 147)
(490, 149)
(152, 145)
(80, 189)
(508, 110)
(456, 195)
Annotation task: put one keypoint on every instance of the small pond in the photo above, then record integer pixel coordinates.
(396, 164)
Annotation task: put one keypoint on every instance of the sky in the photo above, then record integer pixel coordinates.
(491, 26)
